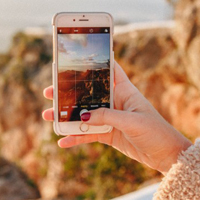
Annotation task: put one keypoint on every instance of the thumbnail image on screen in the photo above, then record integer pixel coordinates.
(83, 71)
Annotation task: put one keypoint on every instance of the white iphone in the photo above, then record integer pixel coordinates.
(83, 70)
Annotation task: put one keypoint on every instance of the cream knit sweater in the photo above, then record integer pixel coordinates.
(182, 182)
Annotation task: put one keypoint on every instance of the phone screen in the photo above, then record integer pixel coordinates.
(83, 70)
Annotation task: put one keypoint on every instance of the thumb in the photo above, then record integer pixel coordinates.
(105, 116)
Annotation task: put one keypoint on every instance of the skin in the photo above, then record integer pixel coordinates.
(139, 131)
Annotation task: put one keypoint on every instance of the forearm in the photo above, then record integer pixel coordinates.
(183, 179)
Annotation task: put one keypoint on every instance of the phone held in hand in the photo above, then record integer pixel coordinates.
(83, 70)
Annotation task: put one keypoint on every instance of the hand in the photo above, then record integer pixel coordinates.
(139, 131)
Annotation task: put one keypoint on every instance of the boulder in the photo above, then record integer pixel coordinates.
(14, 184)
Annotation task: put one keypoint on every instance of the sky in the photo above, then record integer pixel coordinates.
(16, 15)
(78, 50)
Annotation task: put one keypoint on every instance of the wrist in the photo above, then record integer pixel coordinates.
(172, 158)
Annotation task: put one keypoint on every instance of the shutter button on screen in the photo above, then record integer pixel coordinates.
(83, 111)
(84, 127)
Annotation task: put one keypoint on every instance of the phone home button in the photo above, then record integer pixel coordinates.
(84, 127)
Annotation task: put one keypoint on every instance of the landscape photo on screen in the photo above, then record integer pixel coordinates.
(83, 71)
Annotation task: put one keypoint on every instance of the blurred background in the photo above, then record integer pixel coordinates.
(158, 45)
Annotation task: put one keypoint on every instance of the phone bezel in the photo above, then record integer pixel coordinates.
(67, 20)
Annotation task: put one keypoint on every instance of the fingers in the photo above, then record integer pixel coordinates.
(48, 92)
(71, 141)
(120, 120)
(48, 114)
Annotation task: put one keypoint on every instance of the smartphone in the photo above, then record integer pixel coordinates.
(83, 70)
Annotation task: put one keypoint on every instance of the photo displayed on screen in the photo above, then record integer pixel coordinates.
(83, 71)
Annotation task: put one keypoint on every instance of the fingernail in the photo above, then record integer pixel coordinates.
(85, 116)
(59, 143)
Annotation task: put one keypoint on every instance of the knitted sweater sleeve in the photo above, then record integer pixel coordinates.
(182, 182)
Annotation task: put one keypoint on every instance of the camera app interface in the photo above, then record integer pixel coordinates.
(83, 70)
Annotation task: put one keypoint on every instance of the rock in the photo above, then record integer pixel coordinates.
(192, 59)
(181, 106)
(14, 184)
(187, 17)
(186, 35)
(12, 139)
